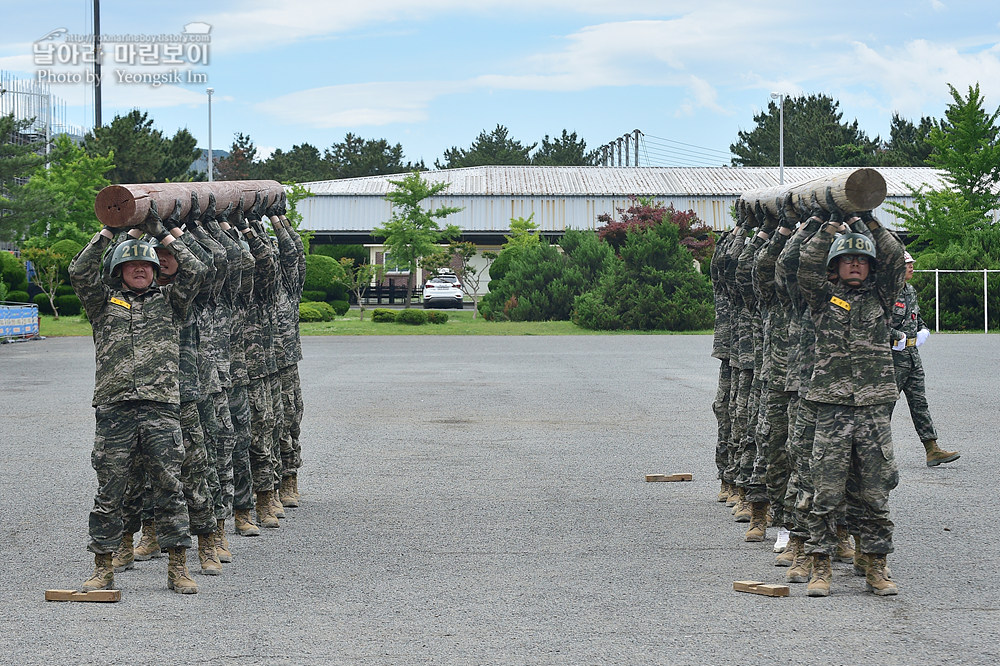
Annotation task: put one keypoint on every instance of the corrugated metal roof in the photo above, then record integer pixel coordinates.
(617, 181)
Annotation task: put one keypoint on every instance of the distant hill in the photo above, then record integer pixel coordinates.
(201, 164)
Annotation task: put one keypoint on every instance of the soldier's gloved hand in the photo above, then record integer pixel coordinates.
(153, 225)
(791, 213)
(280, 207)
(922, 336)
(238, 219)
(900, 344)
(226, 214)
(867, 217)
(837, 215)
(272, 208)
(815, 210)
(257, 207)
(195, 213)
(209, 212)
(770, 221)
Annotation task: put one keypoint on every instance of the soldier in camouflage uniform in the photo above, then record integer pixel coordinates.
(908, 332)
(853, 386)
(137, 395)
(720, 350)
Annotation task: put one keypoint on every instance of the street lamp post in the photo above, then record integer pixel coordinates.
(210, 160)
(781, 136)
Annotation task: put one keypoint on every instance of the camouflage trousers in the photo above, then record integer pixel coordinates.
(274, 391)
(131, 434)
(755, 458)
(239, 411)
(721, 408)
(747, 451)
(910, 382)
(774, 435)
(739, 398)
(799, 493)
(210, 424)
(261, 434)
(224, 445)
(847, 439)
(291, 401)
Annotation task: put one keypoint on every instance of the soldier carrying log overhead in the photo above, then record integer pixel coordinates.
(854, 386)
(137, 395)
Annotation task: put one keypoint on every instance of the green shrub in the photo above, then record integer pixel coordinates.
(383, 315)
(18, 297)
(412, 317)
(327, 275)
(68, 304)
(359, 253)
(437, 317)
(12, 270)
(308, 312)
(42, 301)
(313, 295)
(325, 309)
(340, 307)
(65, 290)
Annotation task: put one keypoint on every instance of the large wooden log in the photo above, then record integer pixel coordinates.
(128, 205)
(859, 189)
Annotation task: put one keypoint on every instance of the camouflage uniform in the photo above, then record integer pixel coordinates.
(853, 384)
(137, 393)
(720, 350)
(906, 320)
(239, 400)
(256, 333)
(743, 435)
(291, 264)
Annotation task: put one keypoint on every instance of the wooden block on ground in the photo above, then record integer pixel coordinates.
(757, 587)
(668, 477)
(74, 595)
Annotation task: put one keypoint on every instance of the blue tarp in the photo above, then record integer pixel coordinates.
(18, 320)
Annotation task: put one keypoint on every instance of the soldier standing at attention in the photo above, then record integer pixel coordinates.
(137, 394)
(853, 384)
(908, 332)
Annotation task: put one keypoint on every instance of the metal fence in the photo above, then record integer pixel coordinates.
(18, 321)
(937, 293)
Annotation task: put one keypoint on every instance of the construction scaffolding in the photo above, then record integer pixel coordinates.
(31, 101)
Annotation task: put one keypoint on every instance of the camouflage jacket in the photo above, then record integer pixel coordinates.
(136, 336)
(241, 301)
(289, 294)
(905, 320)
(720, 342)
(727, 270)
(748, 304)
(853, 363)
(257, 332)
(787, 285)
(777, 312)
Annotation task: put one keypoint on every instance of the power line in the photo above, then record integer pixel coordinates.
(660, 151)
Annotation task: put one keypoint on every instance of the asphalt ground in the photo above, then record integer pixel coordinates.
(475, 500)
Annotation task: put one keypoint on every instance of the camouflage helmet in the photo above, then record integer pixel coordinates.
(850, 244)
(134, 250)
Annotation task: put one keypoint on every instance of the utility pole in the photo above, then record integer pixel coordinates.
(636, 132)
(626, 138)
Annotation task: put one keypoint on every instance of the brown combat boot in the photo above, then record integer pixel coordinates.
(276, 508)
(148, 546)
(822, 574)
(244, 525)
(221, 544)
(936, 456)
(758, 521)
(743, 512)
(734, 495)
(295, 488)
(860, 562)
(124, 558)
(877, 577)
(801, 563)
(723, 493)
(210, 564)
(264, 513)
(103, 577)
(786, 557)
(287, 492)
(178, 578)
(844, 551)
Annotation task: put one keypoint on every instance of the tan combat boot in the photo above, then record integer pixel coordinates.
(295, 488)
(124, 558)
(287, 492)
(178, 578)
(860, 562)
(786, 557)
(244, 525)
(734, 495)
(723, 493)
(877, 577)
(822, 574)
(210, 564)
(148, 546)
(104, 574)
(844, 551)
(758, 521)
(743, 512)
(276, 508)
(221, 544)
(801, 563)
(264, 510)
(936, 456)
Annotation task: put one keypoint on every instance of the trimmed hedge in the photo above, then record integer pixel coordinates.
(18, 297)
(42, 301)
(383, 315)
(340, 307)
(65, 290)
(326, 275)
(313, 295)
(436, 317)
(68, 305)
(412, 317)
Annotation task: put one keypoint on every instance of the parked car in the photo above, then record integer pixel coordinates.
(443, 291)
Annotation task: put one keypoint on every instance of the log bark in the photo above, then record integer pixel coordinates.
(860, 189)
(128, 205)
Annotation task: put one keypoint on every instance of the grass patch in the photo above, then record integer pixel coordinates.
(65, 326)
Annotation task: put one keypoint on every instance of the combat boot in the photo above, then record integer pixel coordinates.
(723, 493)
(104, 574)
(264, 514)
(178, 578)
(758, 521)
(860, 562)
(743, 512)
(244, 525)
(877, 577)
(936, 456)
(221, 544)
(844, 551)
(276, 507)
(124, 558)
(801, 563)
(210, 564)
(822, 574)
(148, 546)
(734, 496)
(295, 489)
(287, 492)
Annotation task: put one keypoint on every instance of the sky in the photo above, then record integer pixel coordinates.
(433, 74)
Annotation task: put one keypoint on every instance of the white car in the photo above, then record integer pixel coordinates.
(443, 291)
